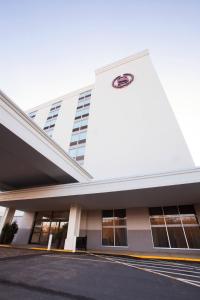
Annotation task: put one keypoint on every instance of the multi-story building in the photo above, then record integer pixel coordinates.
(107, 161)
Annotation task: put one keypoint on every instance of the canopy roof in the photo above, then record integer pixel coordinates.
(28, 157)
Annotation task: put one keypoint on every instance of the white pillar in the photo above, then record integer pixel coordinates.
(73, 227)
(7, 217)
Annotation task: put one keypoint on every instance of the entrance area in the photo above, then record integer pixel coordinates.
(50, 222)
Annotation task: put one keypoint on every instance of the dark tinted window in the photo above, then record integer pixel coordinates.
(107, 213)
(160, 237)
(120, 213)
(153, 211)
(186, 209)
(170, 210)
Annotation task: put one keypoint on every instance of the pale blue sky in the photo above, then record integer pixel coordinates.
(49, 48)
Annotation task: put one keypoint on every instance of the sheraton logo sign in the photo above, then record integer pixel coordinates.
(122, 81)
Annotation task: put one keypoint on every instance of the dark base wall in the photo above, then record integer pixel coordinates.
(139, 240)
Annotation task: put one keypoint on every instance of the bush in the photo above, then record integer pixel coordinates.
(8, 233)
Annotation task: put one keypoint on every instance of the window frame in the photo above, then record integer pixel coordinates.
(114, 227)
(180, 225)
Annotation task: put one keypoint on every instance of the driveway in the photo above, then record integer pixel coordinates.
(87, 277)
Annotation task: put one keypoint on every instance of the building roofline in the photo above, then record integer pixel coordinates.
(123, 61)
(60, 98)
(91, 86)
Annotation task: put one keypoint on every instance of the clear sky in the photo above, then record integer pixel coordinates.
(51, 47)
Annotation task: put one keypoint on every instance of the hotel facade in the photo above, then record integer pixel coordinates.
(107, 163)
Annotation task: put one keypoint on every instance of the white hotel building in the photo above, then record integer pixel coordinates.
(108, 160)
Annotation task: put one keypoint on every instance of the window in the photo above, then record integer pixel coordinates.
(49, 222)
(82, 112)
(84, 101)
(114, 230)
(76, 152)
(85, 94)
(49, 131)
(49, 123)
(32, 114)
(78, 138)
(175, 227)
(51, 118)
(72, 152)
(80, 124)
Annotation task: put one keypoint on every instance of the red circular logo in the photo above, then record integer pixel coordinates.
(122, 80)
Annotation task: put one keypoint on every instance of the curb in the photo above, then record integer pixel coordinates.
(169, 258)
(150, 257)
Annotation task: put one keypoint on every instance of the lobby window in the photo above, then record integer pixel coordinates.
(51, 118)
(114, 229)
(175, 227)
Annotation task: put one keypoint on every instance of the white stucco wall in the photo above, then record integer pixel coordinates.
(132, 130)
(138, 218)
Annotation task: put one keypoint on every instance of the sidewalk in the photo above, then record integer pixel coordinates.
(141, 255)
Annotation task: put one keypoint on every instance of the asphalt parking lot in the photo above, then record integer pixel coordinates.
(87, 277)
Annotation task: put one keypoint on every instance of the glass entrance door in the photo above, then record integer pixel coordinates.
(44, 236)
(47, 223)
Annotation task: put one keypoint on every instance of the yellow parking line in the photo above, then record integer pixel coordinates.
(173, 258)
(191, 259)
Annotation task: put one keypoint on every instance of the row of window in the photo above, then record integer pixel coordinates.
(79, 131)
(82, 113)
(84, 95)
(80, 125)
(78, 138)
(77, 153)
(84, 104)
(171, 227)
(51, 118)
(56, 106)
(49, 123)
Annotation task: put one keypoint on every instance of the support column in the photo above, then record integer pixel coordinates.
(73, 227)
(7, 217)
(25, 227)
